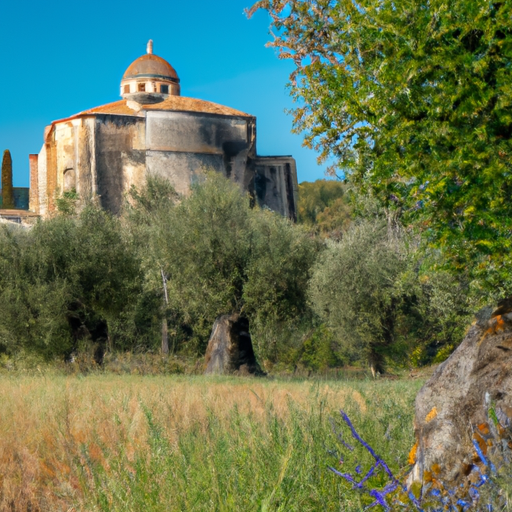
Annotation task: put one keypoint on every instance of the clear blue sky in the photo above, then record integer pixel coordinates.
(59, 58)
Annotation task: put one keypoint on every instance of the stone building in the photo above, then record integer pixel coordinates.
(153, 130)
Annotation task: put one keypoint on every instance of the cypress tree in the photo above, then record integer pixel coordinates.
(7, 190)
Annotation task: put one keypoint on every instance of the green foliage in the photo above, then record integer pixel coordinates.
(67, 279)
(201, 246)
(89, 277)
(315, 197)
(7, 189)
(208, 249)
(278, 271)
(323, 207)
(442, 313)
(355, 289)
(319, 351)
(384, 300)
(67, 203)
(149, 217)
(221, 256)
(88, 281)
(413, 101)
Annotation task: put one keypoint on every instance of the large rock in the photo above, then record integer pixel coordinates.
(230, 347)
(468, 399)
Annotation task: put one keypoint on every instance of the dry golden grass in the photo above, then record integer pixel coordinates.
(50, 426)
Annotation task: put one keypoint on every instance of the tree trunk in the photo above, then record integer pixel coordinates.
(165, 329)
(230, 347)
(91, 330)
(377, 362)
(377, 358)
(165, 337)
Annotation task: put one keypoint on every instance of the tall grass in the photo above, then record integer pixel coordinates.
(123, 443)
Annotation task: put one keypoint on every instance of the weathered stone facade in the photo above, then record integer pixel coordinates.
(103, 151)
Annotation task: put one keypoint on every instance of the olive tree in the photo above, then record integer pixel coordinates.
(65, 280)
(356, 288)
(222, 256)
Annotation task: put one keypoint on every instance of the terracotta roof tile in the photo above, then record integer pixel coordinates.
(172, 103)
(117, 107)
(150, 64)
(181, 103)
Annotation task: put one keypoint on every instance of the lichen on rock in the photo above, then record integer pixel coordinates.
(463, 420)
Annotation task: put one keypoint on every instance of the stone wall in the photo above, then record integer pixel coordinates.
(34, 183)
(103, 155)
(42, 207)
(120, 158)
(85, 178)
(182, 169)
(183, 144)
(275, 184)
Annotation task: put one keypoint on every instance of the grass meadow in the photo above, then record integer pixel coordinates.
(176, 443)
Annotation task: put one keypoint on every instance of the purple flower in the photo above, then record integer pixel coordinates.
(447, 499)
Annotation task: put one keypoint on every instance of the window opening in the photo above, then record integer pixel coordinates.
(164, 89)
(69, 180)
(142, 87)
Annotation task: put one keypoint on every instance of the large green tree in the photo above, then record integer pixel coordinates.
(356, 288)
(413, 99)
(66, 282)
(221, 256)
(374, 291)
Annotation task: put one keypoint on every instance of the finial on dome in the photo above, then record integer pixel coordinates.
(149, 48)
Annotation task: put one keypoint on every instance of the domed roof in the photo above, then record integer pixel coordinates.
(150, 65)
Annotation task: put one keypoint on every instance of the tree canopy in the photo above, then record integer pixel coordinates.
(221, 256)
(413, 100)
(84, 281)
(324, 207)
(66, 280)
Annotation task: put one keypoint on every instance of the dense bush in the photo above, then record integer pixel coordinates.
(66, 281)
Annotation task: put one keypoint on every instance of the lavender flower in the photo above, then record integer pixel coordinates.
(448, 500)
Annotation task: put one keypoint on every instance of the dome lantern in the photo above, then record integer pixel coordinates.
(149, 79)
